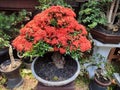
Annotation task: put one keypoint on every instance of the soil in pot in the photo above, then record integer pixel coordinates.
(46, 69)
(101, 79)
(6, 67)
(105, 31)
(106, 36)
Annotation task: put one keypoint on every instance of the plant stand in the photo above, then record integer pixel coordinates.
(102, 48)
(70, 86)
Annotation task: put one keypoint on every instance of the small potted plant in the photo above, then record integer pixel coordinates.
(9, 28)
(103, 19)
(101, 80)
(58, 42)
(10, 68)
(103, 74)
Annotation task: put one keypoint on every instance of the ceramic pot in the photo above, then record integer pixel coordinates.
(100, 34)
(94, 86)
(97, 85)
(53, 83)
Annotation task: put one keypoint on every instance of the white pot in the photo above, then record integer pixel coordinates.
(56, 83)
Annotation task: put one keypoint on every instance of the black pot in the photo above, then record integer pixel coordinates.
(4, 55)
(94, 86)
(28, 62)
(117, 88)
(14, 78)
(97, 85)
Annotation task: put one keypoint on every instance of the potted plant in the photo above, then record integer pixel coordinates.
(102, 21)
(10, 69)
(52, 35)
(101, 80)
(26, 59)
(103, 74)
(10, 23)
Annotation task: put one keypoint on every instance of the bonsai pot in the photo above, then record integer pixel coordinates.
(99, 83)
(105, 36)
(27, 62)
(13, 76)
(46, 73)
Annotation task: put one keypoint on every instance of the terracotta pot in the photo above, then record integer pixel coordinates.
(14, 78)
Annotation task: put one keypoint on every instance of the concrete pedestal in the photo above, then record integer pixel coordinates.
(102, 48)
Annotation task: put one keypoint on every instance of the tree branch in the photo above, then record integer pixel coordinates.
(11, 56)
(115, 10)
(111, 11)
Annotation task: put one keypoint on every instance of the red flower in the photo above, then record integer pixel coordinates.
(62, 51)
(21, 44)
(58, 28)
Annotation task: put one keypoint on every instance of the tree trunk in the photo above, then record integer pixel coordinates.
(58, 60)
(115, 10)
(13, 64)
(111, 12)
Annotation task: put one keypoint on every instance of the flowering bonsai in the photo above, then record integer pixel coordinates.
(54, 29)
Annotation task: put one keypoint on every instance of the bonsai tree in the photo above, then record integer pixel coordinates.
(102, 12)
(3, 44)
(53, 30)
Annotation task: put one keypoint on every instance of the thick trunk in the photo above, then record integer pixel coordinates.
(13, 64)
(58, 60)
(115, 10)
(111, 12)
